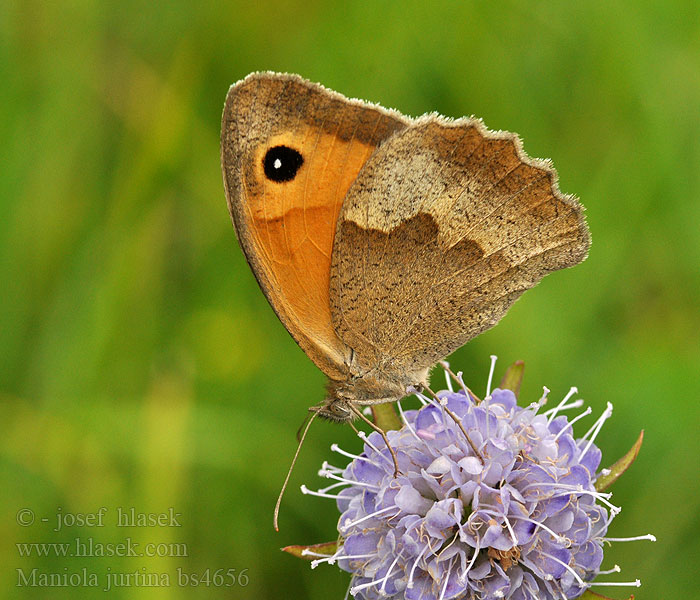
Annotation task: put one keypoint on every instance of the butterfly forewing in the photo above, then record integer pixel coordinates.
(290, 151)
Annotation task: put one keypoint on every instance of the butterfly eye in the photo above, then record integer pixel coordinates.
(282, 163)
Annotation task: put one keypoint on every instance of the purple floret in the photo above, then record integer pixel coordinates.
(517, 519)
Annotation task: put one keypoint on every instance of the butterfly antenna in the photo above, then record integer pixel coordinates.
(456, 419)
(291, 468)
(304, 423)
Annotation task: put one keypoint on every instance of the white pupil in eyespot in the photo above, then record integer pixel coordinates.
(278, 163)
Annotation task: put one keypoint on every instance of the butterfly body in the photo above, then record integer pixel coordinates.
(385, 243)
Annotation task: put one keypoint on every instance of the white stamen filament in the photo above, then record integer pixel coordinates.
(355, 556)
(319, 494)
(424, 400)
(460, 378)
(330, 560)
(406, 423)
(327, 489)
(494, 358)
(413, 568)
(559, 538)
(382, 590)
(576, 489)
(535, 406)
(593, 431)
(615, 569)
(347, 526)
(581, 582)
(363, 436)
(602, 496)
(558, 588)
(454, 376)
(335, 557)
(307, 552)
(383, 580)
(635, 583)
(473, 560)
(441, 403)
(448, 379)
(339, 450)
(574, 404)
(326, 466)
(329, 475)
(613, 514)
(505, 518)
(568, 487)
(570, 424)
(603, 499)
(487, 407)
(559, 406)
(447, 580)
(648, 536)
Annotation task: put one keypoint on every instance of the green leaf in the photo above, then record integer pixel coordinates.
(605, 481)
(327, 549)
(513, 377)
(589, 595)
(386, 417)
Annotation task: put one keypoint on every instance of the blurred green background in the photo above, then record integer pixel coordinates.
(140, 366)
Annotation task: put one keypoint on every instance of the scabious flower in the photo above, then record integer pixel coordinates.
(492, 501)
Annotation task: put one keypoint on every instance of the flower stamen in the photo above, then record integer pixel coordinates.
(319, 494)
(635, 583)
(580, 581)
(615, 569)
(415, 565)
(347, 526)
(648, 536)
(328, 475)
(573, 390)
(597, 426)
(494, 358)
(568, 426)
(339, 450)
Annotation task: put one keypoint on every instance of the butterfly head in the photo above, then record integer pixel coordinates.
(334, 409)
(345, 399)
(337, 406)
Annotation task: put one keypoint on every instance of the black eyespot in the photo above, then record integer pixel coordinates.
(281, 163)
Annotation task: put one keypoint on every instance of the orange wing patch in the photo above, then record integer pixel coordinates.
(293, 225)
(286, 225)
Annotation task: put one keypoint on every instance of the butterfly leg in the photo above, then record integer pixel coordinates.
(381, 432)
(456, 419)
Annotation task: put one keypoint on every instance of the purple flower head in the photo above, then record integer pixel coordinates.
(492, 501)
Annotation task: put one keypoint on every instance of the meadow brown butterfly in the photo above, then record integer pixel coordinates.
(382, 242)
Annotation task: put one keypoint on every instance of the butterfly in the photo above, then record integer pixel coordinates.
(383, 242)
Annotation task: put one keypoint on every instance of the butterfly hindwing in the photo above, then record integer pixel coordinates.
(444, 228)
